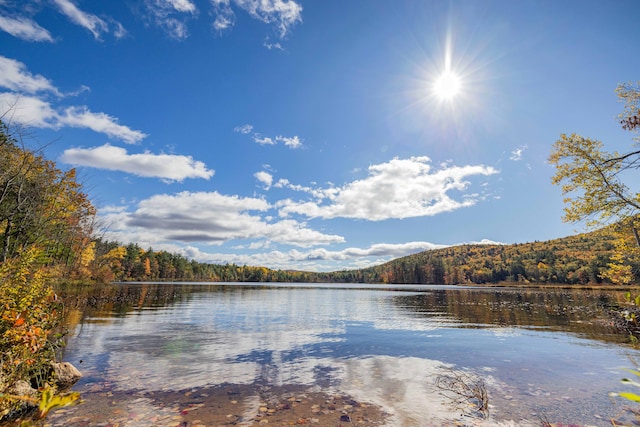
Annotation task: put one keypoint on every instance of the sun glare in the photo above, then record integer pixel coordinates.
(447, 86)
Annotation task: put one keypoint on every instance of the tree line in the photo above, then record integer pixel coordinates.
(580, 259)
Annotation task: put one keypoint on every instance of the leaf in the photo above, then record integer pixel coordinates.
(633, 371)
(49, 401)
(630, 396)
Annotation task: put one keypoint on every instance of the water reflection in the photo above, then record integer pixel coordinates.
(381, 346)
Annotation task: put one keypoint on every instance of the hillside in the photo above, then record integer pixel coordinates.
(570, 260)
(575, 259)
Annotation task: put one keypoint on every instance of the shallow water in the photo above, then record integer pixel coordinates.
(544, 354)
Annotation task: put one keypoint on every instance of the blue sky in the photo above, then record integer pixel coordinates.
(308, 134)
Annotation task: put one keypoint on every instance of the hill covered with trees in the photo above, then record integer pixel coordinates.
(579, 259)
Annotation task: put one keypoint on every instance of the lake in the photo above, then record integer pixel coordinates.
(334, 354)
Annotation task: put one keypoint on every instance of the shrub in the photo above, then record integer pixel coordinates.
(29, 313)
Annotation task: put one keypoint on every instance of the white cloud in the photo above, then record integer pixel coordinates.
(100, 122)
(207, 217)
(282, 14)
(224, 16)
(25, 29)
(170, 15)
(166, 166)
(516, 154)
(182, 5)
(243, 129)
(400, 188)
(15, 77)
(270, 45)
(263, 141)
(28, 110)
(91, 22)
(293, 142)
(313, 259)
(265, 178)
(35, 112)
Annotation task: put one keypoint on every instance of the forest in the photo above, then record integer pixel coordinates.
(579, 259)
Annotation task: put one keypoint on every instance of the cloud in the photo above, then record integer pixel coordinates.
(313, 259)
(100, 122)
(35, 112)
(243, 129)
(400, 188)
(91, 22)
(265, 178)
(170, 14)
(25, 29)
(263, 141)
(207, 217)
(291, 142)
(15, 77)
(516, 154)
(169, 167)
(282, 14)
(224, 16)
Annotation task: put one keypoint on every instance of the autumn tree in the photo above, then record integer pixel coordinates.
(41, 205)
(593, 182)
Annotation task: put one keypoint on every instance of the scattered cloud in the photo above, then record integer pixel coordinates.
(291, 142)
(15, 77)
(35, 112)
(282, 14)
(270, 45)
(25, 29)
(265, 178)
(91, 22)
(400, 188)
(312, 259)
(224, 16)
(244, 129)
(208, 217)
(263, 140)
(169, 167)
(516, 155)
(170, 15)
(23, 106)
(81, 117)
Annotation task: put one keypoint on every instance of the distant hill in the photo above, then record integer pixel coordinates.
(575, 259)
(570, 260)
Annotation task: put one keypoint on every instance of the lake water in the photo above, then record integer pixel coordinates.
(542, 354)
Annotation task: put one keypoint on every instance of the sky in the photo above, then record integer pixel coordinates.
(316, 135)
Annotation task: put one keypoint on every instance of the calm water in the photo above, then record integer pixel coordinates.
(544, 354)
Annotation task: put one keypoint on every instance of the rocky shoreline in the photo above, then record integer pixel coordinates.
(241, 405)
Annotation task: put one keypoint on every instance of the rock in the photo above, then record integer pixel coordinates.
(66, 374)
(23, 388)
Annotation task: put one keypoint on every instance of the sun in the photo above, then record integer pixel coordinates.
(447, 86)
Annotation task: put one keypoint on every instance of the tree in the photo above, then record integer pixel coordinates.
(41, 205)
(592, 180)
